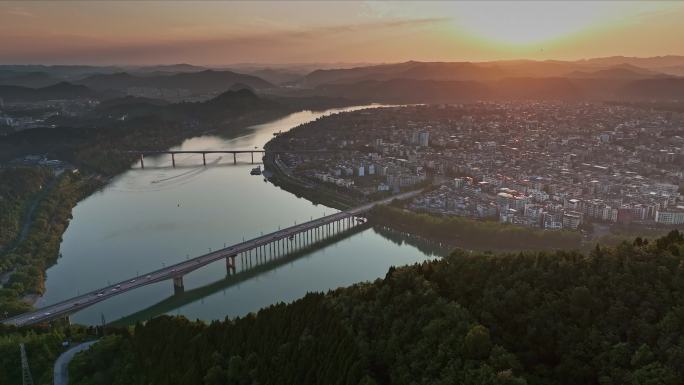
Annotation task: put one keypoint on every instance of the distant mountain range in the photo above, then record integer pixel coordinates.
(33, 79)
(557, 88)
(407, 70)
(226, 105)
(206, 81)
(487, 71)
(58, 91)
(610, 78)
(437, 82)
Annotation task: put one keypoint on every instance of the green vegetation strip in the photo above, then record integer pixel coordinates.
(470, 233)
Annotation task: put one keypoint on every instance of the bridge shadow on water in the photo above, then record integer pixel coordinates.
(178, 300)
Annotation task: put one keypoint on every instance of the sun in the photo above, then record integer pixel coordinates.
(526, 23)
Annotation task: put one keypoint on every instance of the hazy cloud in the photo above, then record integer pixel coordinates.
(238, 47)
(16, 11)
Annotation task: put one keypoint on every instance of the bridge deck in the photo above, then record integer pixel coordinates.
(158, 152)
(75, 304)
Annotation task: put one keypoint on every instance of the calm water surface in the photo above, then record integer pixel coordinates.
(148, 218)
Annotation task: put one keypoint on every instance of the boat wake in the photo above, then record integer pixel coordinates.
(171, 181)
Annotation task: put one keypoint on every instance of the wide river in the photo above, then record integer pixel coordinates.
(159, 215)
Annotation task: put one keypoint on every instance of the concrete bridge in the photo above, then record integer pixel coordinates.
(142, 153)
(245, 255)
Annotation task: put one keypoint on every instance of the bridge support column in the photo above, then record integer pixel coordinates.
(234, 158)
(178, 287)
(230, 264)
(252, 157)
(142, 164)
(204, 158)
(173, 160)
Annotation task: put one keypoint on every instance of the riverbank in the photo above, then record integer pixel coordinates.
(32, 255)
(456, 232)
(280, 177)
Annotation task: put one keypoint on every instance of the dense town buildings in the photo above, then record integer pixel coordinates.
(547, 165)
(20, 116)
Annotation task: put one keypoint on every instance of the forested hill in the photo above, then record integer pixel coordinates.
(93, 143)
(615, 316)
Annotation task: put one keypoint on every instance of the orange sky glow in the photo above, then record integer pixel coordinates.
(220, 33)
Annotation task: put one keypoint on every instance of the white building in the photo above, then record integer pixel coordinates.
(671, 216)
(423, 138)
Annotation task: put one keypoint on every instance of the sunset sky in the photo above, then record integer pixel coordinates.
(216, 33)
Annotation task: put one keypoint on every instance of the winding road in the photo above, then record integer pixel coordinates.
(61, 368)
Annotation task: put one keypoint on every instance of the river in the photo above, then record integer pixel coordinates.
(147, 218)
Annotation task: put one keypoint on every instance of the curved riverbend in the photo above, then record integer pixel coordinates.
(148, 218)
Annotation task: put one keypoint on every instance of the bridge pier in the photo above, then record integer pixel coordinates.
(234, 158)
(178, 287)
(173, 160)
(252, 157)
(230, 264)
(142, 164)
(204, 158)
